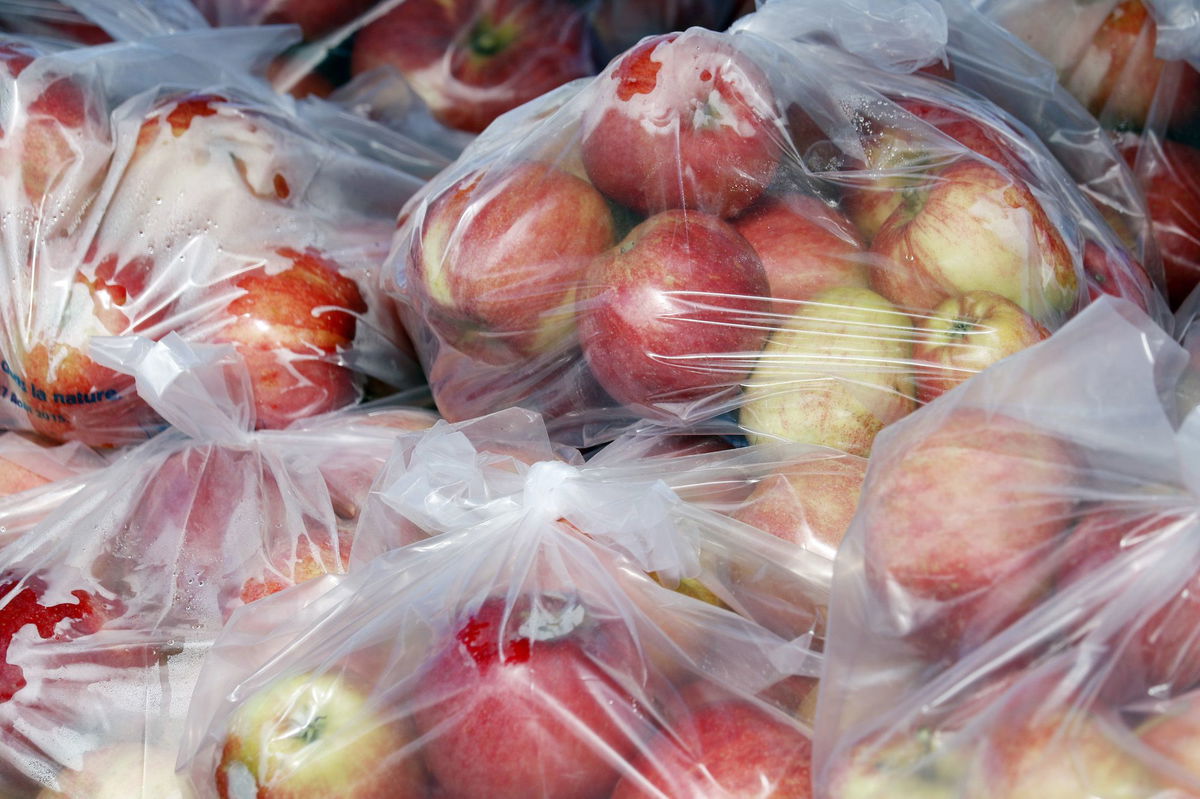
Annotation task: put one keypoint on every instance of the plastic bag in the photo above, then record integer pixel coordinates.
(149, 190)
(108, 605)
(515, 655)
(1134, 64)
(1014, 607)
(553, 267)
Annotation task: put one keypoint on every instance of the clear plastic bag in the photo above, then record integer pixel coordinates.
(1134, 64)
(108, 604)
(856, 240)
(149, 190)
(522, 652)
(1013, 612)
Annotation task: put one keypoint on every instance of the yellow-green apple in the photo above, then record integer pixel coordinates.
(289, 327)
(472, 60)
(1175, 734)
(122, 771)
(965, 335)
(835, 373)
(809, 503)
(961, 520)
(1170, 177)
(974, 227)
(317, 735)
(1104, 53)
(531, 700)
(683, 120)
(670, 314)
(499, 257)
(805, 246)
(908, 156)
(1160, 649)
(727, 749)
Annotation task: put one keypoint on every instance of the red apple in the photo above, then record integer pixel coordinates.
(974, 228)
(729, 749)
(965, 335)
(670, 317)
(472, 60)
(1162, 648)
(959, 525)
(682, 121)
(1175, 734)
(811, 503)
(310, 558)
(1117, 274)
(1170, 176)
(530, 701)
(317, 735)
(315, 17)
(121, 771)
(805, 246)
(499, 257)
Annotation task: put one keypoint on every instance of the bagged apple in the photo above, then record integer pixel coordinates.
(1134, 64)
(516, 655)
(716, 225)
(1013, 611)
(108, 604)
(151, 191)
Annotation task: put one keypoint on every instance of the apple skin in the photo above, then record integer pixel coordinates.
(810, 503)
(315, 17)
(835, 374)
(907, 765)
(473, 60)
(960, 522)
(682, 121)
(15, 478)
(1163, 649)
(500, 256)
(287, 327)
(727, 749)
(906, 156)
(314, 735)
(1117, 274)
(121, 771)
(505, 699)
(670, 314)
(965, 335)
(1170, 176)
(805, 246)
(973, 227)
(1175, 734)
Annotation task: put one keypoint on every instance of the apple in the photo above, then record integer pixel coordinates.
(289, 326)
(317, 735)
(835, 373)
(473, 60)
(121, 771)
(530, 700)
(909, 764)
(728, 749)
(1117, 274)
(315, 17)
(965, 335)
(974, 228)
(1104, 53)
(810, 503)
(805, 246)
(670, 317)
(960, 524)
(904, 156)
(499, 257)
(311, 557)
(682, 121)
(1161, 648)
(1175, 734)
(1170, 176)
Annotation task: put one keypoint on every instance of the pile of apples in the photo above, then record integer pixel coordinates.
(198, 214)
(681, 239)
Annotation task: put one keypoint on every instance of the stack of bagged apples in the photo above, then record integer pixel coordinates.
(715, 502)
